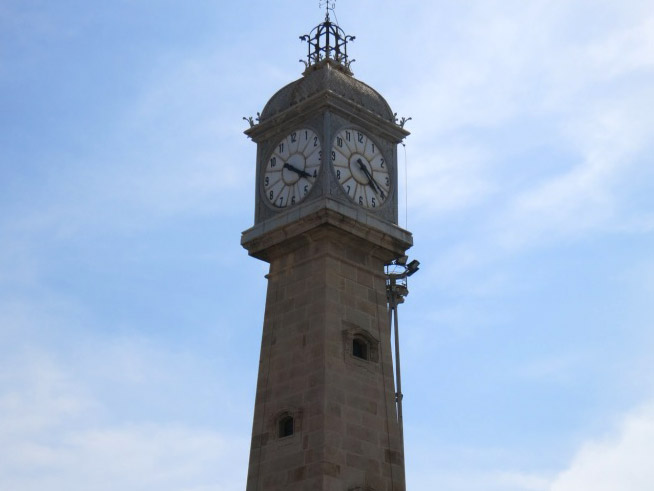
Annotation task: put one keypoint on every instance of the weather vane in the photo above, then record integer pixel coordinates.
(329, 5)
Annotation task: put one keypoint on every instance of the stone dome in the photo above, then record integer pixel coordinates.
(327, 76)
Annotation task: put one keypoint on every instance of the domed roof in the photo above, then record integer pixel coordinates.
(327, 76)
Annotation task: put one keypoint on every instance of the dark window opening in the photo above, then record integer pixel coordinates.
(360, 349)
(286, 426)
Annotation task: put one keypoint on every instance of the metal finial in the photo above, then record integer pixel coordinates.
(327, 41)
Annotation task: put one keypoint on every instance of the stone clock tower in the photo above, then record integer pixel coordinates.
(325, 414)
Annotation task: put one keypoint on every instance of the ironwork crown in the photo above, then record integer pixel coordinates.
(327, 41)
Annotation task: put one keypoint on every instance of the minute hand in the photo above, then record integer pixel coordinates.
(371, 180)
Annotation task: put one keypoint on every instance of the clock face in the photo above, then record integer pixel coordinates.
(361, 168)
(292, 169)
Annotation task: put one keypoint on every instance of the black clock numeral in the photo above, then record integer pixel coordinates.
(315, 141)
(374, 204)
(361, 200)
(319, 154)
(273, 162)
(381, 163)
(348, 189)
(373, 147)
(293, 137)
(281, 147)
(333, 155)
(266, 181)
(338, 175)
(281, 201)
(382, 195)
(339, 141)
(306, 134)
(360, 137)
(271, 196)
(293, 200)
(315, 172)
(348, 136)
(306, 189)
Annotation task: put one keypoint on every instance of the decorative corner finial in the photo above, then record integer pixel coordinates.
(402, 121)
(251, 120)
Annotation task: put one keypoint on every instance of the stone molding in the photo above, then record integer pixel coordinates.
(277, 236)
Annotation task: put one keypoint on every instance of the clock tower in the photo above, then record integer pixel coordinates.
(325, 415)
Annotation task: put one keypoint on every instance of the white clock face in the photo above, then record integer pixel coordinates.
(292, 169)
(360, 168)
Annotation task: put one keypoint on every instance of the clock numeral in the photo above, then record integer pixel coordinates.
(333, 155)
(339, 141)
(319, 154)
(266, 181)
(348, 136)
(281, 147)
(381, 163)
(294, 137)
(360, 137)
(315, 141)
(348, 189)
(373, 202)
(271, 196)
(388, 181)
(306, 189)
(361, 200)
(281, 201)
(273, 162)
(315, 172)
(373, 147)
(338, 175)
(293, 200)
(306, 134)
(382, 195)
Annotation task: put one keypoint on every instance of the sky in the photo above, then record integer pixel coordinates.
(130, 316)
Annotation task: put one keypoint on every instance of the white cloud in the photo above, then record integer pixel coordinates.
(56, 436)
(135, 457)
(622, 462)
(583, 96)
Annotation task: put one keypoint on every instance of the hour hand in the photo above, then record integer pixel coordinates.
(299, 172)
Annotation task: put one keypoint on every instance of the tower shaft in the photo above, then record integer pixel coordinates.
(325, 415)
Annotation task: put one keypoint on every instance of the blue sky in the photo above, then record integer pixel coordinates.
(130, 317)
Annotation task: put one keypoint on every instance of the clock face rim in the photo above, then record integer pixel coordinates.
(310, 162)
(371, 201)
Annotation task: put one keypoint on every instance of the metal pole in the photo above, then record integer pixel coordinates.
(398, 373)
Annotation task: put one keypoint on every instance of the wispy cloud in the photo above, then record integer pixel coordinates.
(56, 435)
(618, 462)
(589, 95)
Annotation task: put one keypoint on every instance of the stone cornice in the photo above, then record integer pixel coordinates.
(268, 239)
(326, 99)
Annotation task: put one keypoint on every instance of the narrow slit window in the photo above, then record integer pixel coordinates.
(286, 426)
(360, 349)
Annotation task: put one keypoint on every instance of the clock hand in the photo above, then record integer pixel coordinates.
(299, 172)
(371, 181)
